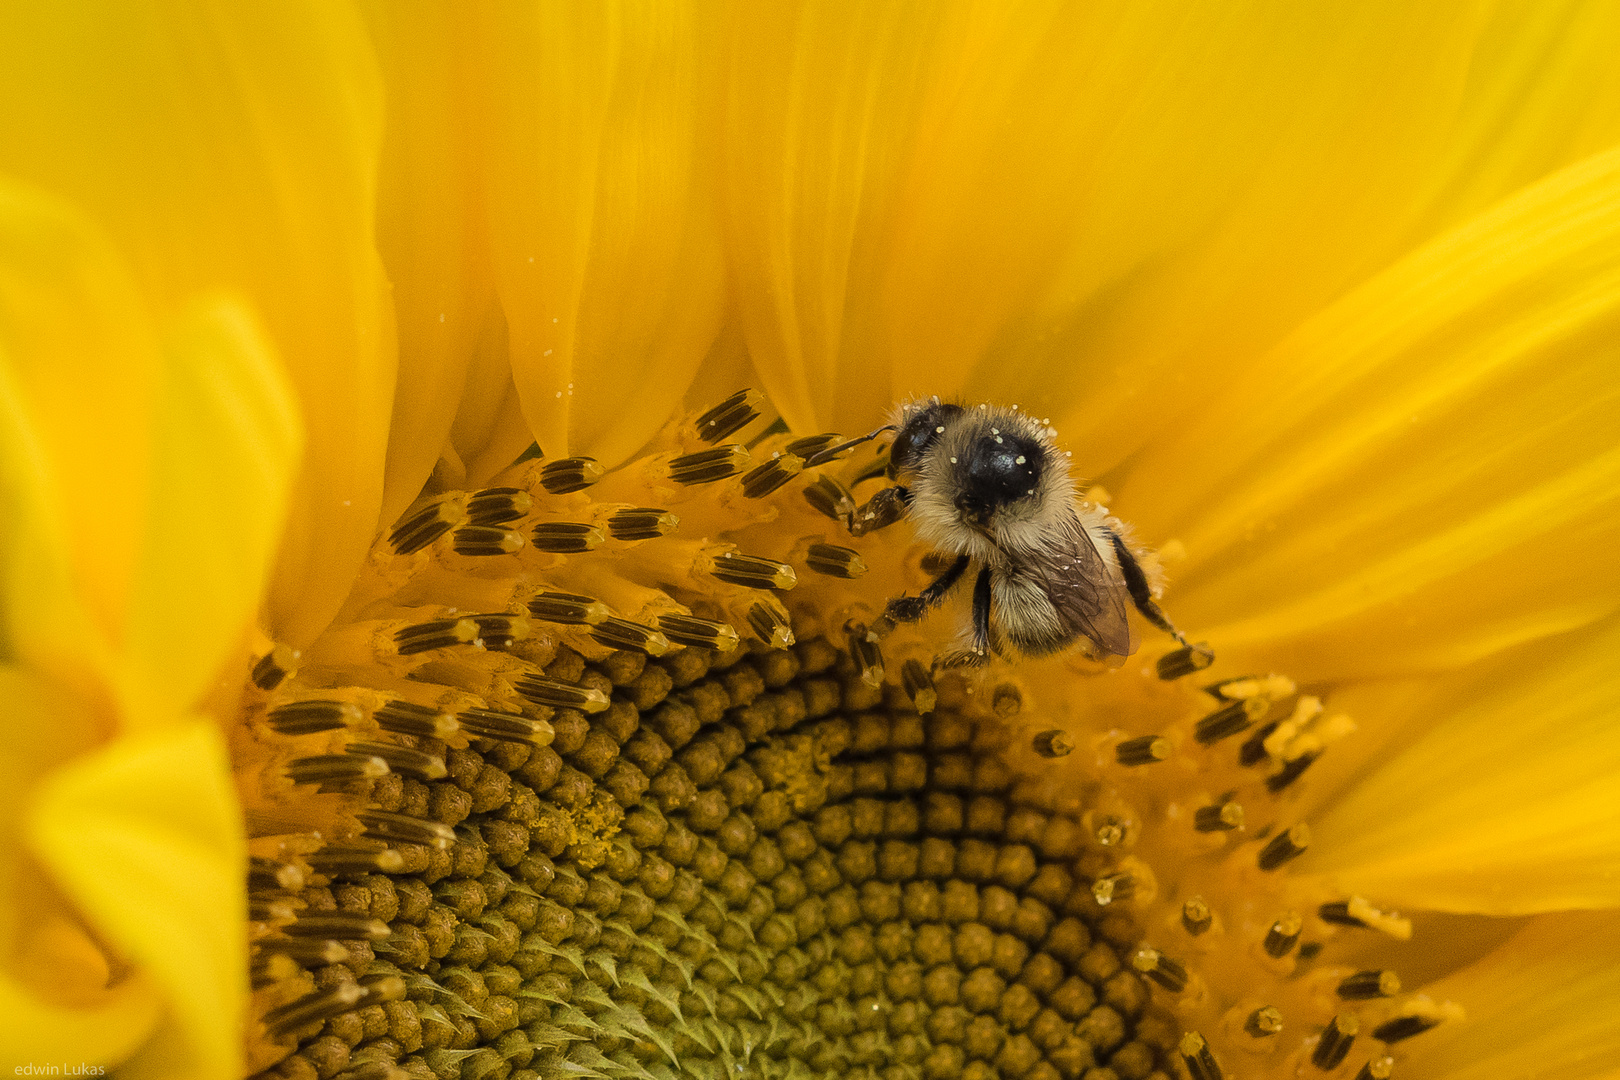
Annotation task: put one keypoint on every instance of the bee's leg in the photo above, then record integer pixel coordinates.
(978, 636)
(912, 608)
(1141, 594)
(880, 511)
(981, 614)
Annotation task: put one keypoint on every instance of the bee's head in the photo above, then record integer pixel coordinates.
(997, 468)
(919, 428)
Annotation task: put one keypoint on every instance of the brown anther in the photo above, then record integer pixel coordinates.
(484, 541)
(732, 414)
(864, 651)
(752, 571)
(566, 537)
(699, 633)
(274, 666)
(1219, 817)
(499, 630)
(831, 498)
(1286, 845)
(1379, 1068)
(1195, 1055)
(568, 608)
(1264, 1022)
(312, 1008)
(1404, 1027)
(641, 523)
(566, 475)
(271, 968)
(334, 767)
(1143, 750)
(1356, 911)
(1196, 916)
(560, 695)
(497, 506)
(1243, 687)
(770, 626)
(401, 759)
(437, 634)
(308, 717)
(426, 525)
(1055, 743)
(1283, 934)
(707, 466)
(274, 874)
(1160, 968)
(1338, 911)
(1253, 750)
(761, 480)
(810, 445)
(406, 718)
(267, 908)
(1364, 985)
(1106, 890)
(1230, 719)
(918, 683)
(835, 561)
(1290, 772)
(406, 829)
(618, 633)
(382, 988)
(338, 861)
(1185, 661)
(505, 727)
(1334, 1043)
(306, 952)
(337, 925)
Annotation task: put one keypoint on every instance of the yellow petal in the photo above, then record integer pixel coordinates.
(35, 1032)
(431, 232)
(1539, 1007)
(1427, 472)
(817, 106)
(1494, 792)
(227, 442)
(603, 238)
(490, 430)
(80, 364)
(55, 999)
(1098, 212)
(146, 837)
(234, 146)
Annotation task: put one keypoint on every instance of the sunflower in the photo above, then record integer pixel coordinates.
(605, 760)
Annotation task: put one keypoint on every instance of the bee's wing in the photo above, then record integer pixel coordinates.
(1086, 588)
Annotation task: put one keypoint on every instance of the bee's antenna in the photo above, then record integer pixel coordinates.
(821, 457)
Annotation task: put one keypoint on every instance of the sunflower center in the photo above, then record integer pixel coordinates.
(561, 795)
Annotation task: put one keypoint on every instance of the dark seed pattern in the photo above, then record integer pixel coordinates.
(793, 890)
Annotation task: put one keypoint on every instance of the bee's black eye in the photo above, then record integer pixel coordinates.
(1000, 468)
(918, 435)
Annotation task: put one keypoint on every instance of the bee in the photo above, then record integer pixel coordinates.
(989, 485)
